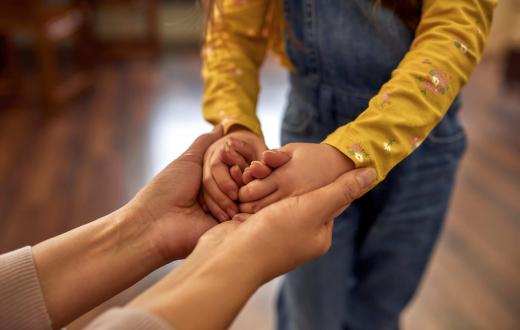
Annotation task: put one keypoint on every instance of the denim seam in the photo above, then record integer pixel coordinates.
(310, 42)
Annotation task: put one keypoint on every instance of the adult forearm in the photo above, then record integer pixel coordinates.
(202, 295)
(85, 266)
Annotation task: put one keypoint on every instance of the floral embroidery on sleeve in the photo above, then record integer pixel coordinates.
(235, 72)
(415, 142)
(462, 47)
(437, 82)
(387, 146)
(357, 152)
(385, 100)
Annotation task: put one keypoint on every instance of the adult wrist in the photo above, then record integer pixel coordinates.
(135, 232)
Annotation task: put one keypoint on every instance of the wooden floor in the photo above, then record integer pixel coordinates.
(62, 171)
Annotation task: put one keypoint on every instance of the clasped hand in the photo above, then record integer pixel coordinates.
(171, 218)
(241, 176)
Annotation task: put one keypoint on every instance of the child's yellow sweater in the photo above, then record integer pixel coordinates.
(448, 44)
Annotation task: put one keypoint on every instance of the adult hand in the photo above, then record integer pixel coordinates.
(89, 264)
(222, 160)
(311, 166)
(168, 204)
(234, 258)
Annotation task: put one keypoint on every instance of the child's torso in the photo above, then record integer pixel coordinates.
(350, 44)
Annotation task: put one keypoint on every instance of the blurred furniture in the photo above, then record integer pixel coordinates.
(7, 72)
(512, 68)
(148, 42)
(47, 25)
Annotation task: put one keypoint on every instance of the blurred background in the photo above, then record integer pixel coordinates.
(97, 96)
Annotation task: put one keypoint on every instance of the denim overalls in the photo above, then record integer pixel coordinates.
(344, 51)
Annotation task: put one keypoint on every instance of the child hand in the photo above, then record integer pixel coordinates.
(259, 170)
(222, 170)
(311, 166)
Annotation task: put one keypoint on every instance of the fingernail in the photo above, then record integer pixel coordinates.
(365, 177)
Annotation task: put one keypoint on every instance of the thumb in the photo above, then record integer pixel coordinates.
(275, 158)
(329, 201)
(196, 151)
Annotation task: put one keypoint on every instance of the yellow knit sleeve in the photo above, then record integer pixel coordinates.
(448, 44)
(234, 49)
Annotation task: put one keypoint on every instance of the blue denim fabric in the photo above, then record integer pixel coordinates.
(343, 52)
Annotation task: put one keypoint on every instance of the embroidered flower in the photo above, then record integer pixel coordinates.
(437, 81)
(462, 47)
(358, 152)
(415, 142)
(388, 145)
(235, 72)
(385, 100)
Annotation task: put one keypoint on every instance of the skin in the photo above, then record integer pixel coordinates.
(304, 172)
(222, 162)
(163, 222)
(208, 282)
(84, 267)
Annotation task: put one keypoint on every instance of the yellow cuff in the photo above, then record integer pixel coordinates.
(229, 120)
(354, 148)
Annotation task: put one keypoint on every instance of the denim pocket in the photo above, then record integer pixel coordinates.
(448, 135)
(349, 104)
(299, 116)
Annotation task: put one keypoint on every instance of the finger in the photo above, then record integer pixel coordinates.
(253, 207)
(275, 158)
(215, 209)
(257, 189)
(243, 148)
(259, 170)
(224, 181)
(329, 201)
(241, 217)
(230, 157)
(236, 174)
(222, 200)
(202, 203)
(247, 176)
(195, 152)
